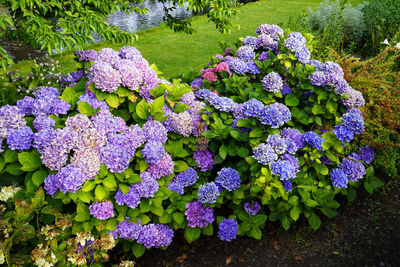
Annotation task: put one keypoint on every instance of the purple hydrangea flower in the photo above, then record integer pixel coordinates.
(105, 78)
(182, 123)
(164, 167)
(187, 178)
(70, 179)
(252, 68)
(237, 66)
(90, 98)
(295, 135)
(275, 115)
(228, 230)
(148, 187)
(251, 41)
(272, 82)
(252, 208)
(197, 215)
(353, 169)
(367, 154)
(263, 56)
(208, 193)
(294, 44)
(353, 121)
(316, 63)
(197, 83)
(51, 184)
(339, 178)
(153, 152)
(313, 139)
(333, 68)
(102, 210)
(86, 55)
(153, 235)
(304, 55)
(42, 122)
(277, 143)
(131, 77)
(271, 29)
(204, 159)
(287, 185)
(109, 56)
(155, 131)
(283, 168)
(88, 160)
(131, 198)
(129, 52)
(115, 157)
(286, 90)
(26, 104)
(127, 230)
(318, 78)
(228, 178)
(223, 104)
(267, 41)
(20, 139)
(355, 99)
(265, 154)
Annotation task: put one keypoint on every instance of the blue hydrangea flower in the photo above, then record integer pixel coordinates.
(313, 140)
(228, 230)
(343, 134)
(127, 230)
(237, 66)
(176, 187)
(148, 187)
(266, 41)
(188, 177)
(295, 135)
(251, 41)
(318, 78)
(208, 193)
(287, 185)
(71, 179)
(271, 29)
(367, 154)
(355, 99)
(294, 44)
(252, 208)
(223, 104)
(155, 131)
(353, 121)
(277, 143)
(252, 108)
(284, 169)
(228, 178)
(339, 178)
(246, 53)
(353, 169)
(252, 68)
(263, 56)
(272, 82)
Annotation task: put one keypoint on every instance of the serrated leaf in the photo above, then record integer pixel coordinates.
(30, 161)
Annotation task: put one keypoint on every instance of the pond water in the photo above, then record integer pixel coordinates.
(132, 22)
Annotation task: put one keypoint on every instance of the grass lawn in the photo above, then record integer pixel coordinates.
(176, 53)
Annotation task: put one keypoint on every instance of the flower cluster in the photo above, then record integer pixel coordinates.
(228, 179)
(102, 210)
(198, 215)
(352, 123)
(228, 230)
(182, 180)
(210, 74)
(252, 208)
(150, 235)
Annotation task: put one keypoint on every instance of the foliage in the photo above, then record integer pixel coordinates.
(338, 24)
(380, 86)
(382, 19)
(54, 25)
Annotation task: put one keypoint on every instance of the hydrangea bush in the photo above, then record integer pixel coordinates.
(285, 122)
(132, 158)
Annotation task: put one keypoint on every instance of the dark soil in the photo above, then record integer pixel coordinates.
(366, 232)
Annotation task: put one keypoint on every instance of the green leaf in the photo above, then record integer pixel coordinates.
(208, 230)
(30, 161)
(260, 219)
(122, 92)
(38, 177)
(100, 193)
(181, 108)
(157, 209)
(112, 100)
(138, 250)
(293, 200)
(142, 109)
(223, 151)
(291, 100)
(295, 213)
(14, 169)
(178, 217)
(80, 218)
(110, 183)
(124, 188)
(70, 96)
(330, 213)
(286, 223)
(332, 204)
(310, 203)
(314, 221)
(144, 206)
(321, 168)
(103, 171)
(157, 105)
(255, 233)
(86, 109)
(88, 186)
(191, 234)
(10, 156)
(331, 106)
(257, 132)
(180, 166)
(86, 197)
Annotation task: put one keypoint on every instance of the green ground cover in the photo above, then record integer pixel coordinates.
(176, 53)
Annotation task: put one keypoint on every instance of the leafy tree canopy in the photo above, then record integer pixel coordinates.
(55, 24)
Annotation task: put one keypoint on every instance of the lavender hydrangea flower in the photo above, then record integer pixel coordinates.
(187, 178)
(197, 83)
(105, 78)
(42, 122)
(277, 143)
(316, 63)
(295, 135)
(246, 53)
(20, 139)
(115, 157)
(355, 99)
(51, 184)
(204, 159)
(71, 179)
(267, 41)
(131, 198)
(265, 154)
(251, 41)
(318, 78)
(252, 208)
(237, 66)
(228, 230)
(272, 82)
(176, 187)
(153, 152)
(182, 123)
(223, 104)
(131, 77)
(343, 134)
(26, 104)
(164, 167)
(252, 68)
(274, 30)
(148, 187)
(339, 178)
(294, 44)
(197, 215)
(333, 68)
(353, 121)
(102, 210)
(129, 52)
(353, 169)
(304, 55)
(228, 178)
(367, 154)
(313, 139)
(275, 115)
(152, 235)
(11, 118)
(155, 131)
(108, 55)
(127, 230)
(88, 160)
(90, 98)
(263, 56)
(208, 193)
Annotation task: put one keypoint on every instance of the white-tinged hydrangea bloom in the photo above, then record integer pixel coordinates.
(105, 77)
(131, 77)
(272, 82)
(88, 160)
(8, 192)
(109, 55)
(182, 123)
